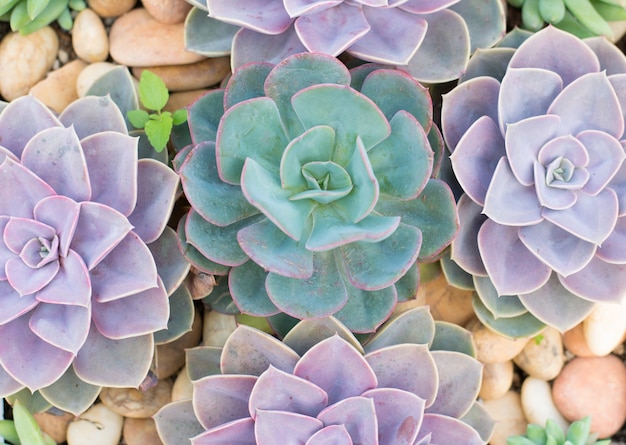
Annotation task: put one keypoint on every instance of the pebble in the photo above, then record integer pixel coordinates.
(182, 388)
(89, 37)
(537, 403)
(167, 11)
(96, 426)
(508, 416)
(90, 74)
(111, 8)
(131, 402)
(25, 60)
(596, 387)
(191, 76)
(170, 357)
(446, 302)
(542, 357)
(53, 425)
(497, 380)
(492, 347)
(176, 101)
(604, 327)
(140, 432)
(217, 328)
(575, 342)
(137, 39)
(58, 89)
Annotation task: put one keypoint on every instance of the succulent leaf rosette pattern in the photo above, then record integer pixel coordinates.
(314, 197)
(80, 218)
(432, 40)
(319, 386)
(539, 155)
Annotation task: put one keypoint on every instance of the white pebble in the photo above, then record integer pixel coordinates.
(96, 426)
(538, 405)
(604, 327)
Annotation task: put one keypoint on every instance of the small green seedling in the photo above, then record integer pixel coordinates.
(538, 339)
(23, 429)
(578, 433)
(153, 95)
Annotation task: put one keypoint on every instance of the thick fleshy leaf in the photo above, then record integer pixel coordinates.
(246, 84)
(279, 391)
(332, 434)
(110, 279)
(501, 306)
(61, 325)
(13, 304)
(249, 46)
(407, 367)
(392, 45)
(554, 198)
(598, 281)
(176, 423)
(218, 399)
(114, 363)
(486, 22)
(297, 8)
(476, 156)
(71, 285)
(307, 333)
(452, 337)
(8, 385)
(128, 317)
(399, 329)
(70, 393)
(247, 288)
(94, 114)
(606, 156)
(156, 184)
(366, 310)
(21, 189)
(204, 116)
(464, 248)
(170, 262)
(207, 36)
(56, 156)
(332, 30)
(357, 415)
(26, 280)
(611, 249)
(28, 359)
(511, 266)
(60, 213)
(425, 7)
(18, 232)
(194, 256)
(338, 368)
(447, 430)
(264, 16)
(563, 252)
(521, 326)
(292, 427)
(240, 432)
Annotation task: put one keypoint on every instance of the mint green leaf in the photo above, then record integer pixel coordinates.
(138, 118)
(180, 116)
(152, 91)
(27, 428)
(8, 431)
(34, 7)
(6, 5)
(519, 440)
(158, 131)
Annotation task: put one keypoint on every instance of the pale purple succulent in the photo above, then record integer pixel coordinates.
(540, 157)
(431, 39)
(82, 234)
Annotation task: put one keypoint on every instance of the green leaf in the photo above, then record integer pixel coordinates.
(519, 440)
(180, 116)
(8, 432)
(531, 16)
(516, 3)
(27, 428)
(138, 118)
(586, 14)
(578, 431)
(552, 11)
(158, 131)
(610, 12)
(552, 429)
(34, 7)
(536, 433)
(78, 5)
(152, 91)
(7, 5)
(19, 17)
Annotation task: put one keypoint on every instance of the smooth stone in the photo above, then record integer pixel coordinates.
(96, 426)
(170, 357)
(25, 60)
(575, 342)
(492, 347)
(140, 432)
(89, 37)
(58, 89)
(90, 74)
(111, 8)
(217, 328)
(497, 380)
(596, 387)
(508, 416)
(447, 303)
(135, 403)
(137, 39)
(182, 388)
(53, 425)
(176, 101)
(537, 403)
(604, 327)
(192, 76)
(167, 11)
(542, 357)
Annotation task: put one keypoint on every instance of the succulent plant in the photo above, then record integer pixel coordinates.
(578, 433)
(583, 18)
(431, 40)
(87, 261)
(27, 16)
(538, 153)
(311, 187)
(23, 429)
(414, 382)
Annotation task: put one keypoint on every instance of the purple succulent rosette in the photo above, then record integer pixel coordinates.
(315, 197)
(539, 154)
(82, 246)
(320, 386)
(431, 39)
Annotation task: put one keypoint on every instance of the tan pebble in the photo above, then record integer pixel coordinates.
(137, 39)
(167, 11)
(183, 388)
(497, 380)
(25, 60)
(135, 403)
(183, 99)
(192, 76)
(89, 37)
(111, 8)
(170, 357)
(492, 347)
(53, 425)
(575, 342)
(604, 327)
(90, 74)
(217, 328)
(58, 90)
(140, 432)
(508, 416)
(596, 387)
(96, 426)
(538, 405)
(446, 302)
(542, 357)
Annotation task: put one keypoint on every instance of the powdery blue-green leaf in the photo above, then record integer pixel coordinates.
(525, 325)
(247, 287)
(246, 84)
(452, 337)
(413, 326)
(152, 91)
(70, 393)
(366, 310)
(500, 305)
(207, 36)
(204, 116)
(181, 316)
(194, 256)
